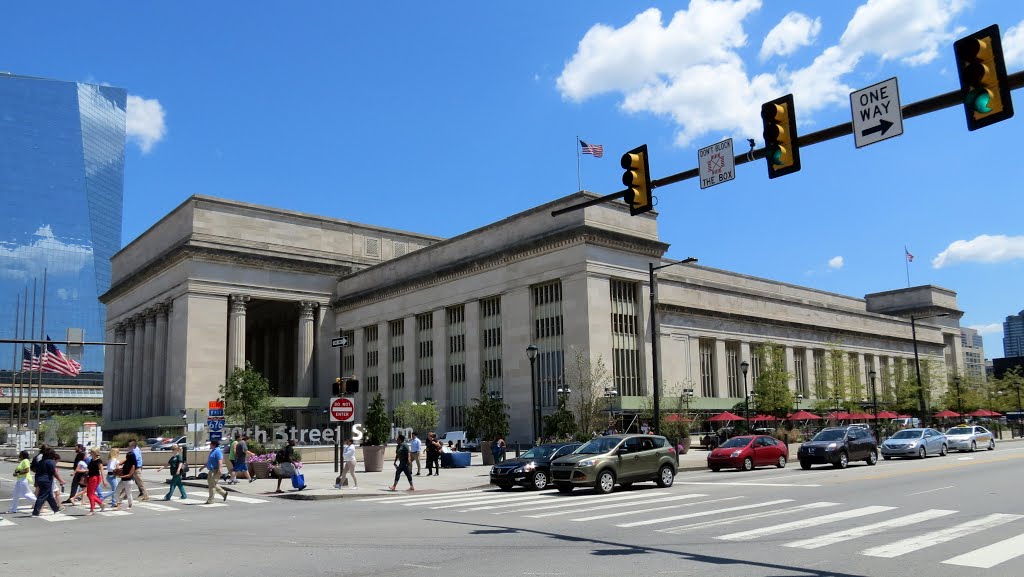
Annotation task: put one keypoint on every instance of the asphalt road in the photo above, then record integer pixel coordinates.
(862, 521)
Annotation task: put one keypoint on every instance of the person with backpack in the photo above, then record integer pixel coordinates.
(403, 464)
(23, 480)
(46, 473)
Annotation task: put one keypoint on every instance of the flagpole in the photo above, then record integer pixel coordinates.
(14, 357)
(21, 376)
(906, 263)
(43, 353)
(579, 179)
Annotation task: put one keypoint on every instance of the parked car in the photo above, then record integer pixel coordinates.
(838, 446)
(153, 441)
(915, 443)
(532, 469)
(181, 441)
(970, 437)
(616, 459)
(459, 439)
(748, 451)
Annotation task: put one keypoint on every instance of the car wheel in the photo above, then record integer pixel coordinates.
(805, 465)
(748, 465)
(974, 446)
(921, 453)
(665, 476)
(715, 469)
(605, 482)
(872, 458)
(564, 487)
(842, 461)
(539, 481)
(504, 486)
(943, 451)
(992, 445)
(782, 462)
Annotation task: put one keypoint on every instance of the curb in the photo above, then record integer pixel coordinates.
(300, 496)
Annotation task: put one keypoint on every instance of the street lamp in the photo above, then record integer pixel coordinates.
(744, 366)
(874, 400)
(563, 392)
(687, 397)
(531, 353)
(799, 399)
(655, 366)
(917, 362)
(959, 399)
(610, 393)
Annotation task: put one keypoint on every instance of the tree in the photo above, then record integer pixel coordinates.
(488, 418)
(248, 400)
(378, 425)
(771, 387)
(560, 425)
(589, 381)
(842, 382)
(62, 430)
(420, 417)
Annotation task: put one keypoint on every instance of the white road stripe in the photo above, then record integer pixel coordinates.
(212, 505)
(249, 500)
(475, 501)
(541, 498)
(992, 555)
(747, 517)
(856, 532)
(114, 513)
(746, 484)
(155, 507)
(191, 501)
(56, 517)
(568, 501)
(929, 491)
(702, 513)
(618, 505)
(415, 497)
(6, 523)
(639, 511)
(805, 523)
(919, 542)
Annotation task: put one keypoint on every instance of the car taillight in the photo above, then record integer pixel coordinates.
(671, 451)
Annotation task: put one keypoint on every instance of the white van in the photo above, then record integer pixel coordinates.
(457, 437)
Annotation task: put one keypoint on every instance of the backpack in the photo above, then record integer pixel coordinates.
(34, 465)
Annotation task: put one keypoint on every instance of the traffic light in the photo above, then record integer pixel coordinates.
(352, 386)
(638, 179)
(780, 140)
(983, 84)
(337, 388)
(342, 387)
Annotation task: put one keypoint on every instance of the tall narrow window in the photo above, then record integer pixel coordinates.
(887, 376)
(820, 377)
(396, 342)
(853, 374)
(456, 317)
(370, 338)
(490, 344)
(799, 372)
(547, 336)
(626, 339)
(425, 356)
(732, 369)
(756, 359)
(707, 367)
(348, 354)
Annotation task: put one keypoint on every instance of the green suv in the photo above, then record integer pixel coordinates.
(616, 459)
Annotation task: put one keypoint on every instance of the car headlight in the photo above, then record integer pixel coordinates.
(517, 470)
(736, 453)
(585, 463)
(912, 444)
(832, 446)
(529, 467)
(494, 470)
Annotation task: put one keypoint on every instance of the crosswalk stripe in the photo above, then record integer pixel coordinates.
(856, 532)
(191, 501)
(211, 505)
(248, 500)
(6, 523)
(919, 542)
(641, 511)
(114, 513)
(56, 517)
(540, 498)
(702, 513)
(618, 505)
(474, 501)
(416, 497)
(805, 523)
(155, 507)
(788, 511)
(570, 501)
(992, 555)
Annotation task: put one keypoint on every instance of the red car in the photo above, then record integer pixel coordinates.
(748, 451)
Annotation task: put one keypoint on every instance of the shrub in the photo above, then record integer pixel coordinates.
(121, 440)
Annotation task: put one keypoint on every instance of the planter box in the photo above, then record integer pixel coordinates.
(260, 470)
(485, 453)
(373, 459)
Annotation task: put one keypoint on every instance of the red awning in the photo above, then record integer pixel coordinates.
(861, 417)
(839, 416)
(725, 416)
(887, 415)
(803, 416)
(764, 418)
(947, 414)
(675, 417)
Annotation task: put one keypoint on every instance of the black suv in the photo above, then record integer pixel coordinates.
(533, 469)
(838, 446)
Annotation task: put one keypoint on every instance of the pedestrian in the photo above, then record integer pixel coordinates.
(143, 493)
(498, 449)
(433, 455)
(348, 458)
(286, 464)
(22, 481)
(176, 465)
(403, 463)
(46, 474)
(126, 478)
(415, 448)
(80, 468)
(645, 428)
(94, 476)
(214, 464)
(113, 478)
(240, 462)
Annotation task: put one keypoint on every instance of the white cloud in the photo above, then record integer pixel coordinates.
(836, 262)
(1013, 45)
(144, 122)
(792, 32)
(911, 31)
(45, 251)
(983, 248)
(989, 329)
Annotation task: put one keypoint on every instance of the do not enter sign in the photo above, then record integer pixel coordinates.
(343, 410)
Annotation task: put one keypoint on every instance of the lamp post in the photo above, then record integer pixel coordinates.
(799, 399)
(687, 398)
(744, 367)
(531, 353)
(610, 393)
(563, 392)
(959, 399)
(874, 400)
(655, 366)
(922, 410)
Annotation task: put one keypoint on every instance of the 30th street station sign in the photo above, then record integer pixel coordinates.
(877, 113)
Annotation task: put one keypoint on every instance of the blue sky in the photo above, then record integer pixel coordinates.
(443, 120)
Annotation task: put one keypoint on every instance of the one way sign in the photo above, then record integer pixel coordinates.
(877, 113)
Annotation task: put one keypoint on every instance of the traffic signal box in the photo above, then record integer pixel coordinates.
(780, 139)
(343, 387)
(637, 179)
(983, 84)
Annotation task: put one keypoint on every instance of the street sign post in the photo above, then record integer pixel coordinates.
(877, 113)
(215, 419)
(717, 164)
(343, 410)
(339, 342)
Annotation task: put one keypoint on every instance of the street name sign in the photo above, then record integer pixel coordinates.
(343, 410)
(877, 113)
(339, 342)
(716, 163)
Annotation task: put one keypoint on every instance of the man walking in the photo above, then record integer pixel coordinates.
(214, 464)
(143, 493)
(415, 448)
(403, 463)
(433, 455)
(240, 452)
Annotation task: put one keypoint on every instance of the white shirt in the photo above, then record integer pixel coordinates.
(349, 455)
(112, 466)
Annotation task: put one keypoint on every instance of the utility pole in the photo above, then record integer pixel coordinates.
(655, 364)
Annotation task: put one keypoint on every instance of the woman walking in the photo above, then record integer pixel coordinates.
(349, 468)
(46, 474)
(127, 476)
(23, 479)
(113, 464)
(177, 467)
(94, 476)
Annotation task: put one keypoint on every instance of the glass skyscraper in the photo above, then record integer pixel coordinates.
(62, 187)
(1013, 336)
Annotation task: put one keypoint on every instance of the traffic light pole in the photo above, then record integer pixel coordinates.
(919, 108)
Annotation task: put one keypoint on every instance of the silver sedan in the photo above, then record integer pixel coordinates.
(915, 443)
(970, 438)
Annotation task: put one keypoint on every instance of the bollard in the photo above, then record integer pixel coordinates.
(517, 449)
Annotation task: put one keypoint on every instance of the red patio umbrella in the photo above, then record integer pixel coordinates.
(980, 413)
(995, 414)
(839, 416)
(946, 414)
(674, 417)
(904, 417)
(887, 415)
(725, 416)
(804, 416)
(860, 416)
(764, 418)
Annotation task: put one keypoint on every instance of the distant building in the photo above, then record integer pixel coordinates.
(1013, 335)
(973, 347)
(61, 181)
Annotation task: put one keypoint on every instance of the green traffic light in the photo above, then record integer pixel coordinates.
(776, 156)
(979, 101)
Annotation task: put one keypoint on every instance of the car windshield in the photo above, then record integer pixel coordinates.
(735, 442)
(959, 431)
(830, 435)
(598, 446)
(907, 435)
(539, 453)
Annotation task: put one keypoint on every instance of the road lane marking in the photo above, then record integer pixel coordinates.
(56, 517)
(992, 555)
(702, 513)
(805, 523)
(477, 501)
(639, 511)
(919, 542)
(155, 507)
(746, 484)
(248, 500)
(863, 531)
(117, 513)
(567, 501)
(416, 497)
(914, 471)
(929, 491)
(618, 505)
(747, 517)
(6, 523)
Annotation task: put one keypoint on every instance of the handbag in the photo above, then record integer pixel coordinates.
(287, 469)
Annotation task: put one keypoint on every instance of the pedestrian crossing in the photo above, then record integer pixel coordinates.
(138, 507)
(879, 531)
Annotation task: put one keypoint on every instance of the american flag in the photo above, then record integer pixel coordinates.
(596, 149)
(29, 361)
(910, 257)
(54, 361)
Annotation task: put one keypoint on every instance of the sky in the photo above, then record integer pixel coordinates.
(441, 118)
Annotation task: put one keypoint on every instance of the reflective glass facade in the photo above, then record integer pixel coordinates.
(62, 184)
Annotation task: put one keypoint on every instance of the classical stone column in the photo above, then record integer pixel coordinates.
(236, 332)
(157, 408)
(791, 369)
(148, 372)
(811, 385)
(138, 362)
(304, 350)
(124, 401)
(170, 401)
(720, 382)
(117, 390)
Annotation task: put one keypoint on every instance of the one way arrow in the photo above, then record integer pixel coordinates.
(883, 127)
